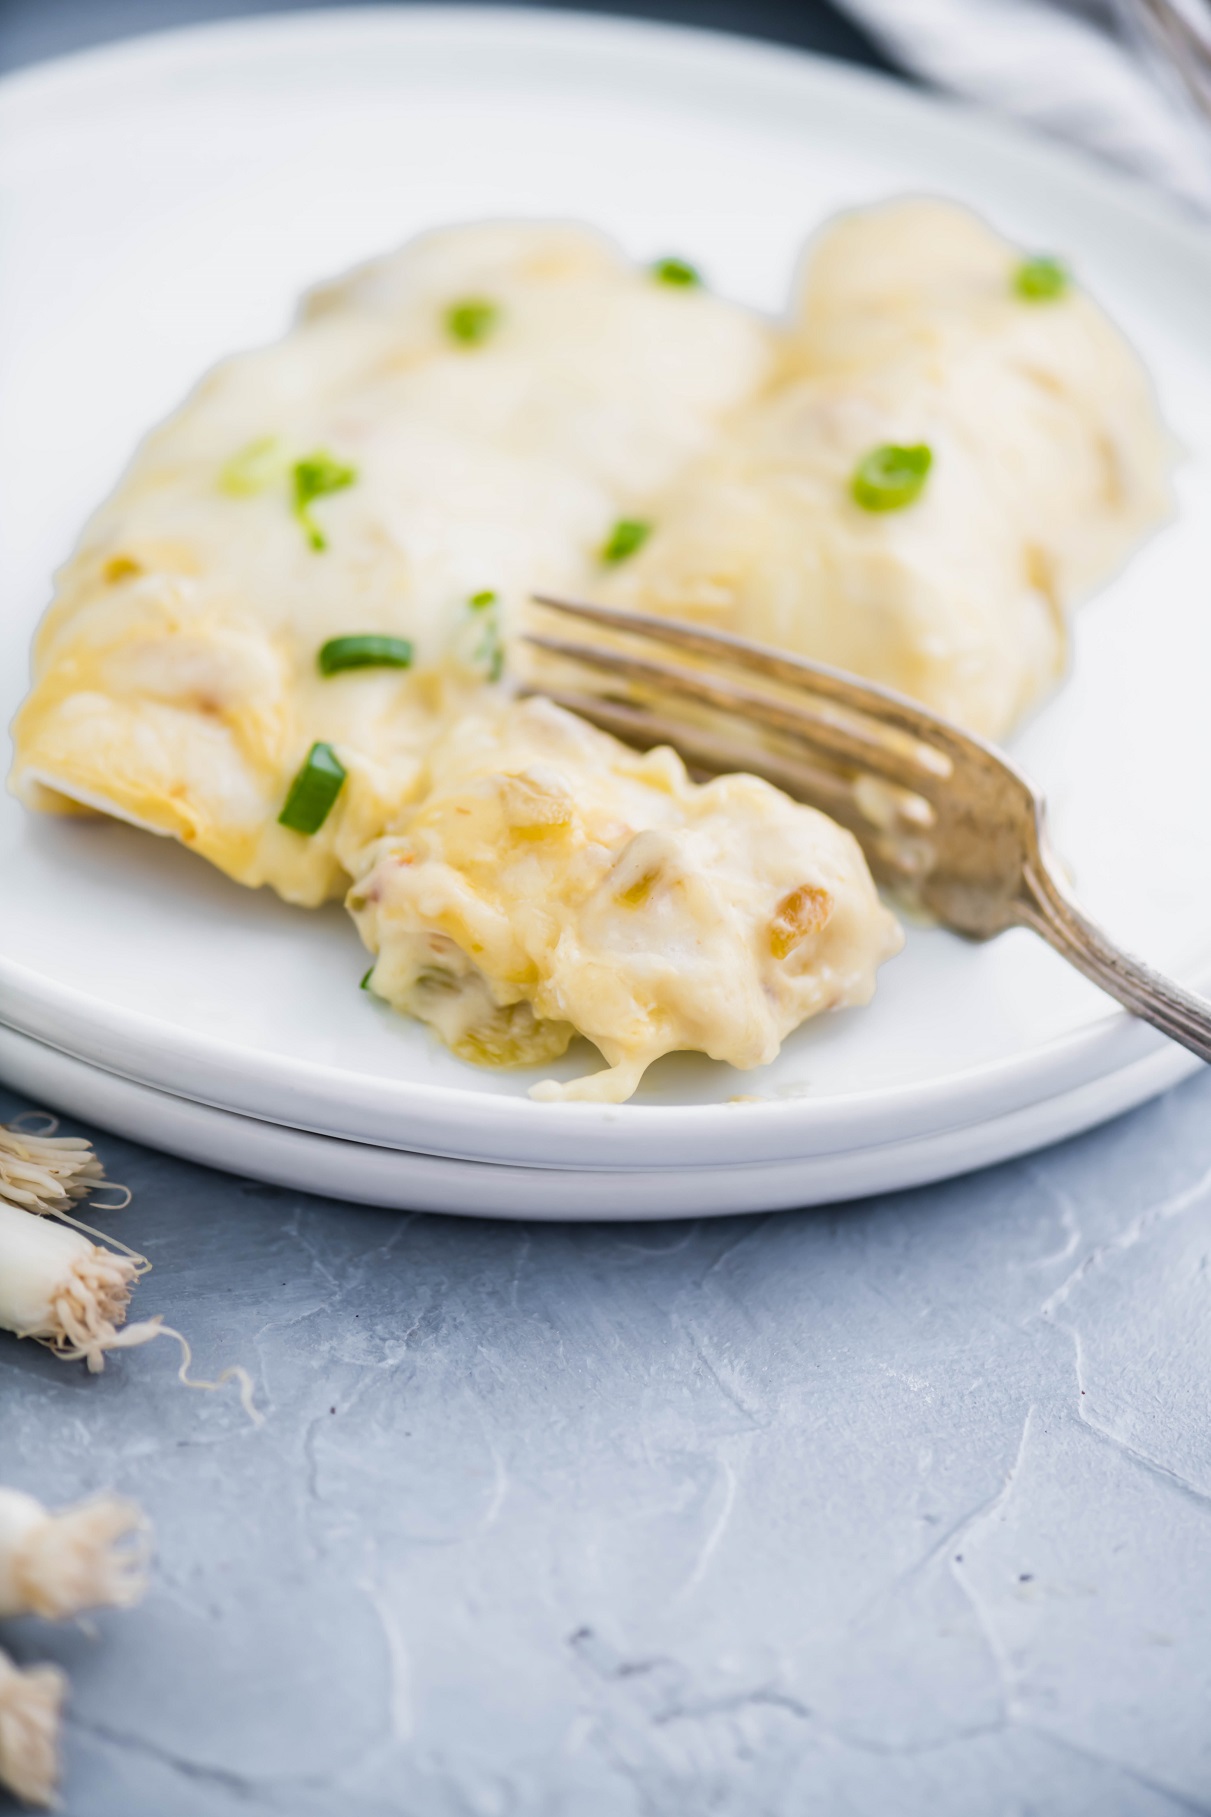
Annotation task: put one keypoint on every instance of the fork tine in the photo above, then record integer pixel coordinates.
(910, 767)
(883, 704)
(894, 857)
(719, 751)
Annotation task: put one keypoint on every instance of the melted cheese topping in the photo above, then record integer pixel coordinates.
(1049, 464)
(519, 876)
(175, 674)
(551, 881)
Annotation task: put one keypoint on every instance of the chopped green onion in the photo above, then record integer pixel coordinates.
(472, 320)
(366, 652)
(490, 650)
(366, 977)
(313, 790)
(255, 467)
(315, 476)
(677, 272)
(627, 535)
(890, 477)
(1040, 280)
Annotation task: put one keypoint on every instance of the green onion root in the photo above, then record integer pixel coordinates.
(64, 1290)
(46, 1172)
(30, 1703)
(92, 1556)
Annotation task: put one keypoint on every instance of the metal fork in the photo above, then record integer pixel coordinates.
(945, 820)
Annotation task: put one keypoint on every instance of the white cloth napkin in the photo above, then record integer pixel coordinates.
(1062, 67)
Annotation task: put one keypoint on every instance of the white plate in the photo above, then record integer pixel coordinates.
(163, 203)
(419, 1182)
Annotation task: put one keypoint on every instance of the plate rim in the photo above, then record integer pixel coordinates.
(295, 1159)
(35, 85)
(379, 1109)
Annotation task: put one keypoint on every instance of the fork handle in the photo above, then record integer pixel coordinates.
(1048, 907)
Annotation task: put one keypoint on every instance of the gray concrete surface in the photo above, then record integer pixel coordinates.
(899, 1508)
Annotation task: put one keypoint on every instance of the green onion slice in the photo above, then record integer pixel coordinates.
(313, 790)
(472, 320)
(316, 476)
(1040, 280)
(490, 649)
(628, 535)
(255, 467)
(678, 272)
(366, 977)
(368, 651)
(890, 477)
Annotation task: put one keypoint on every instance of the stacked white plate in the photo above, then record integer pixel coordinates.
(165, 201)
